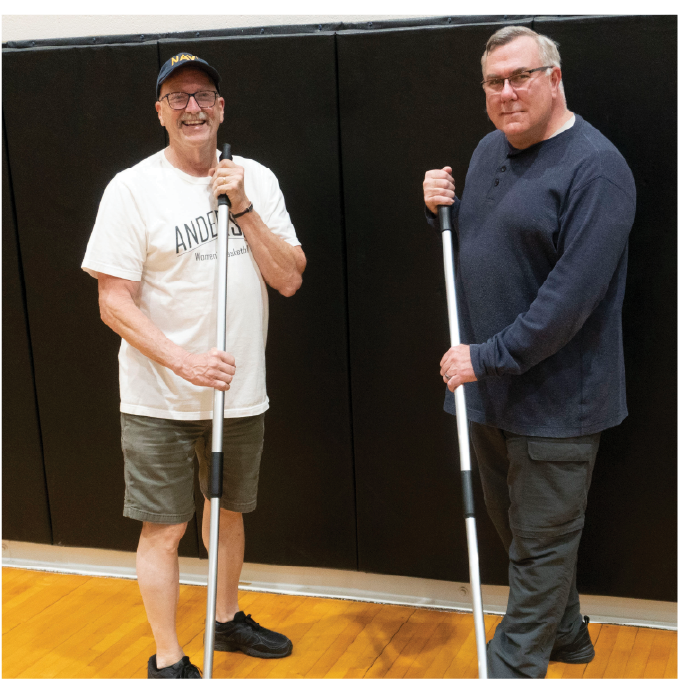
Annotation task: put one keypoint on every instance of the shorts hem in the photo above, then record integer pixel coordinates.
(240, 507)
(169, 519)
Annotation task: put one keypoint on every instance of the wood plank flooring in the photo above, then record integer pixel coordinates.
(56, 625)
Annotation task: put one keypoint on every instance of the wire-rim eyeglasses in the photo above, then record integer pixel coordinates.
(178, 101)
(517, 81)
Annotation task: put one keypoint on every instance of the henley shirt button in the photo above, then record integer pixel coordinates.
(503, 168)
(497, 181)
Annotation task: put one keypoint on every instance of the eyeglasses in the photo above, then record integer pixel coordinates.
(518, 81)
(178, 101)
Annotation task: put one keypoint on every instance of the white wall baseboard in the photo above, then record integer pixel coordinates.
(330, 583)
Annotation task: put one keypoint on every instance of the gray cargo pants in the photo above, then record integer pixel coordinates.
(535, 491)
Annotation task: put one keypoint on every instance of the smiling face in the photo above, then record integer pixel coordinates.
(193, 127)
(527, 115)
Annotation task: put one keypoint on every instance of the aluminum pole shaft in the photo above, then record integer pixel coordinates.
(463, 441)
(217, 460)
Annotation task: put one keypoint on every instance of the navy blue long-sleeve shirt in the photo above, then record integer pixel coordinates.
(542, 239)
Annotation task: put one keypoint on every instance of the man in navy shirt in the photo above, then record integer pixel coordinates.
(542, 237)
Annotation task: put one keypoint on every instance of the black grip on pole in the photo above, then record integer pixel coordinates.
(226, 153)
(467, 494)
(216, 473)
(444, 218)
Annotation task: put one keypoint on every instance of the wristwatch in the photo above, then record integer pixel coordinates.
(240, 214)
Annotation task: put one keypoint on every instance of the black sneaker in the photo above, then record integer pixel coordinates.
(580, 650)
(183, 668)
(244, 634)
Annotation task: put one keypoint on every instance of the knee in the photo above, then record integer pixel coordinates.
(230, 523)
(229, 517)
(555, 551)
(226, 516)
(163, 536)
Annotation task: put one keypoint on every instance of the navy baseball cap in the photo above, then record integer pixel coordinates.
(184, 59)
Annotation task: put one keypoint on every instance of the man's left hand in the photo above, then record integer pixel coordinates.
(456, 366)
(229, 178)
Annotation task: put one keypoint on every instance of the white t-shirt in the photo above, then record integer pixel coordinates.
(158, 225)
(566, 126)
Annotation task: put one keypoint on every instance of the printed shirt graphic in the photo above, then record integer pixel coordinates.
(158, 225)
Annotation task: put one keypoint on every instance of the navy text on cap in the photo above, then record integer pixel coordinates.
(185, 59)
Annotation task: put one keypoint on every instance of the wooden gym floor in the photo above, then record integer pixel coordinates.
(56, 625)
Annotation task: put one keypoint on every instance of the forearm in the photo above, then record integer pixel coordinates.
(563, 304)
(125, 318)
(281, 264)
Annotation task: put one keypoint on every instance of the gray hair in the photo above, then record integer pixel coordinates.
(548, 49)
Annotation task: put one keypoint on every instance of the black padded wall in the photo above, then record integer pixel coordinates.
(25, 509)
(410, 100)
(92, 115)
(620, 74)
(349, 121)
(281, 110)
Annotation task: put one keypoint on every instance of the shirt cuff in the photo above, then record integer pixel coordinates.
(432, 219)
(474, 353)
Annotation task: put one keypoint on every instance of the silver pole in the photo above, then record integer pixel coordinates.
(217, 431)
(463, 440)
(210, 618)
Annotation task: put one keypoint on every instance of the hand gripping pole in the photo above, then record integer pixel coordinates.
(217, 460)
(463, 439)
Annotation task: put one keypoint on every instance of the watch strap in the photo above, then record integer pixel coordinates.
(240, 214)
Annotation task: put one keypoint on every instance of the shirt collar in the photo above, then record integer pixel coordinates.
(511, 151)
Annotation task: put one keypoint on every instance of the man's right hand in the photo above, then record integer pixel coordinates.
(439, 188)
(213, 369)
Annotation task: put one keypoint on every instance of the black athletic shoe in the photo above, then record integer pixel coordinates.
(244, 634)
(183, 668)
(580, 650)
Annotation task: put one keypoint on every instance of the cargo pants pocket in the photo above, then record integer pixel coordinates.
(548, 483)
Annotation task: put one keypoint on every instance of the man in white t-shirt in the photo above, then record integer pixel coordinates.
(153, 251)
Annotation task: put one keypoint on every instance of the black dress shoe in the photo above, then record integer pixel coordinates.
(182, 668)
(244, 634)
(580, 650)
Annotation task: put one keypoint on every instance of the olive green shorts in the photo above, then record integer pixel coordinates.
(159, 471)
